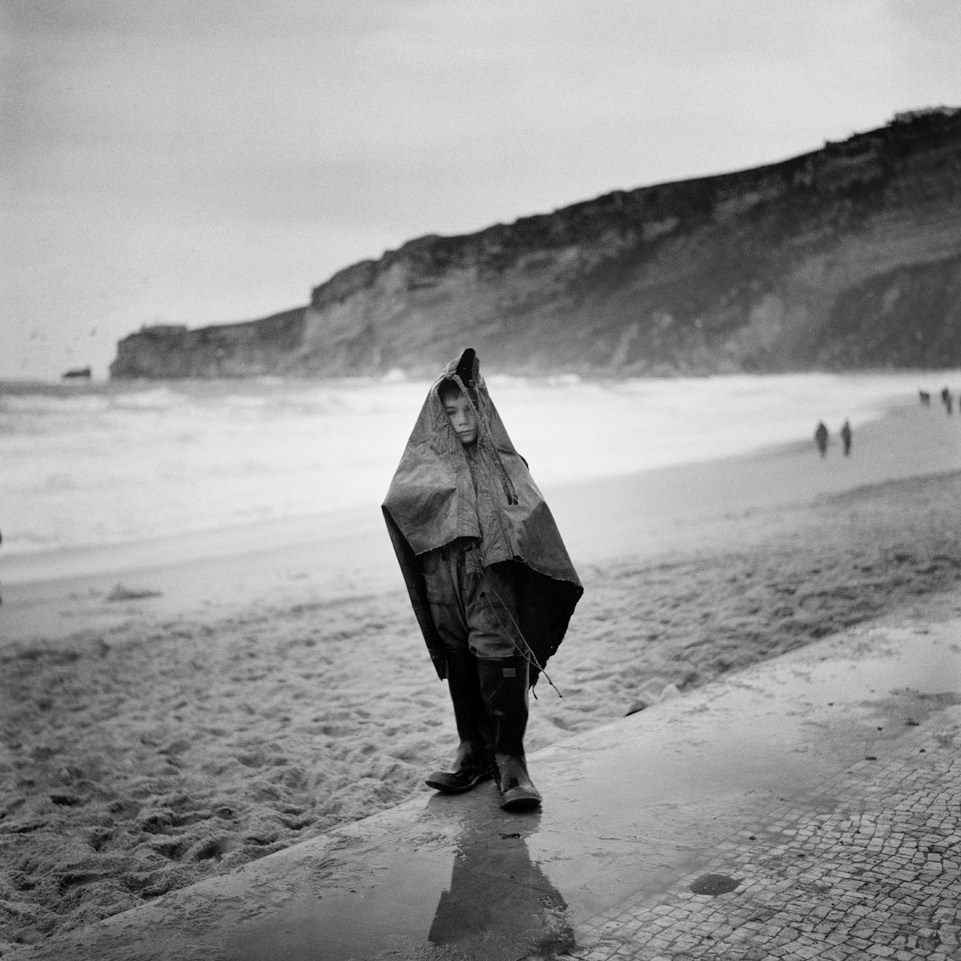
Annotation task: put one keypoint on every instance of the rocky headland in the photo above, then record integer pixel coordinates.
(844, 258)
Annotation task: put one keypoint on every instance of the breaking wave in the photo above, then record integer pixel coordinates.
(90, 464)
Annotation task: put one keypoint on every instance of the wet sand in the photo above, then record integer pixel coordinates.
(174, 710)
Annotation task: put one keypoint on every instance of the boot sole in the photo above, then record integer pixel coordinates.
(446, 787)
(521, 802)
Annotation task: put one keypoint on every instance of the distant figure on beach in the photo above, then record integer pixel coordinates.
(821, 438)
(925, 398)
(489, 578)
(947, 399)
(846, 437)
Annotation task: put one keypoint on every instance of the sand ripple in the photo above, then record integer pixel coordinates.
(145, 757)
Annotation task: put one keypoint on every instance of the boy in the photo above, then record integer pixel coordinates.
(488, 576)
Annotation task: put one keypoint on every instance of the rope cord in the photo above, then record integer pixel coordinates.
(526, 652)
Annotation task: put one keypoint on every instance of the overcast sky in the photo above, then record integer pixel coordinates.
(203, 161)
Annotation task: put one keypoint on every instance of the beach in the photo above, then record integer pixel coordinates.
(176, 708)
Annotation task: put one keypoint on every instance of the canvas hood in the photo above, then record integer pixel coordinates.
(437, 497)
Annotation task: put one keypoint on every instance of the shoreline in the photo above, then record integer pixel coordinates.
(251, 702)
(347, 553)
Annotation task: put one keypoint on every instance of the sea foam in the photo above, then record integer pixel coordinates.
(91, 464)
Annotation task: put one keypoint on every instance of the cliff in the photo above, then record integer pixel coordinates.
(847, 257)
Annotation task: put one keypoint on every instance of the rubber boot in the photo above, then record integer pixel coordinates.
(473, 762)
(504, 686)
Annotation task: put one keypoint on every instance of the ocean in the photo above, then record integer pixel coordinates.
(91, 464)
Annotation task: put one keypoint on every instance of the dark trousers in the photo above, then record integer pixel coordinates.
(473, 608)
(474, 611)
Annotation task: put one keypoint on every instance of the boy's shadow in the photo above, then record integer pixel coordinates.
(497, 894)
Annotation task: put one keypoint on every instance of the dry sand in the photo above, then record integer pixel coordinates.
(184, 707)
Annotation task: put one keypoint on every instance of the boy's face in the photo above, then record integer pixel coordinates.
(462, 418)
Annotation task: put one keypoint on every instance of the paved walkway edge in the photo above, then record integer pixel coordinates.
(806, 807)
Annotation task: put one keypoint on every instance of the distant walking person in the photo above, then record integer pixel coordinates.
(821, 438)
(925, 397)
(846, 437)
(947, 399)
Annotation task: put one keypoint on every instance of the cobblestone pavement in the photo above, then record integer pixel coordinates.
(870, 869)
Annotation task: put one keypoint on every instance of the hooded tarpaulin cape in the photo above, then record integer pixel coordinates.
(433, 501)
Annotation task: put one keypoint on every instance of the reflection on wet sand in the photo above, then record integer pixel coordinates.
(473, 914)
